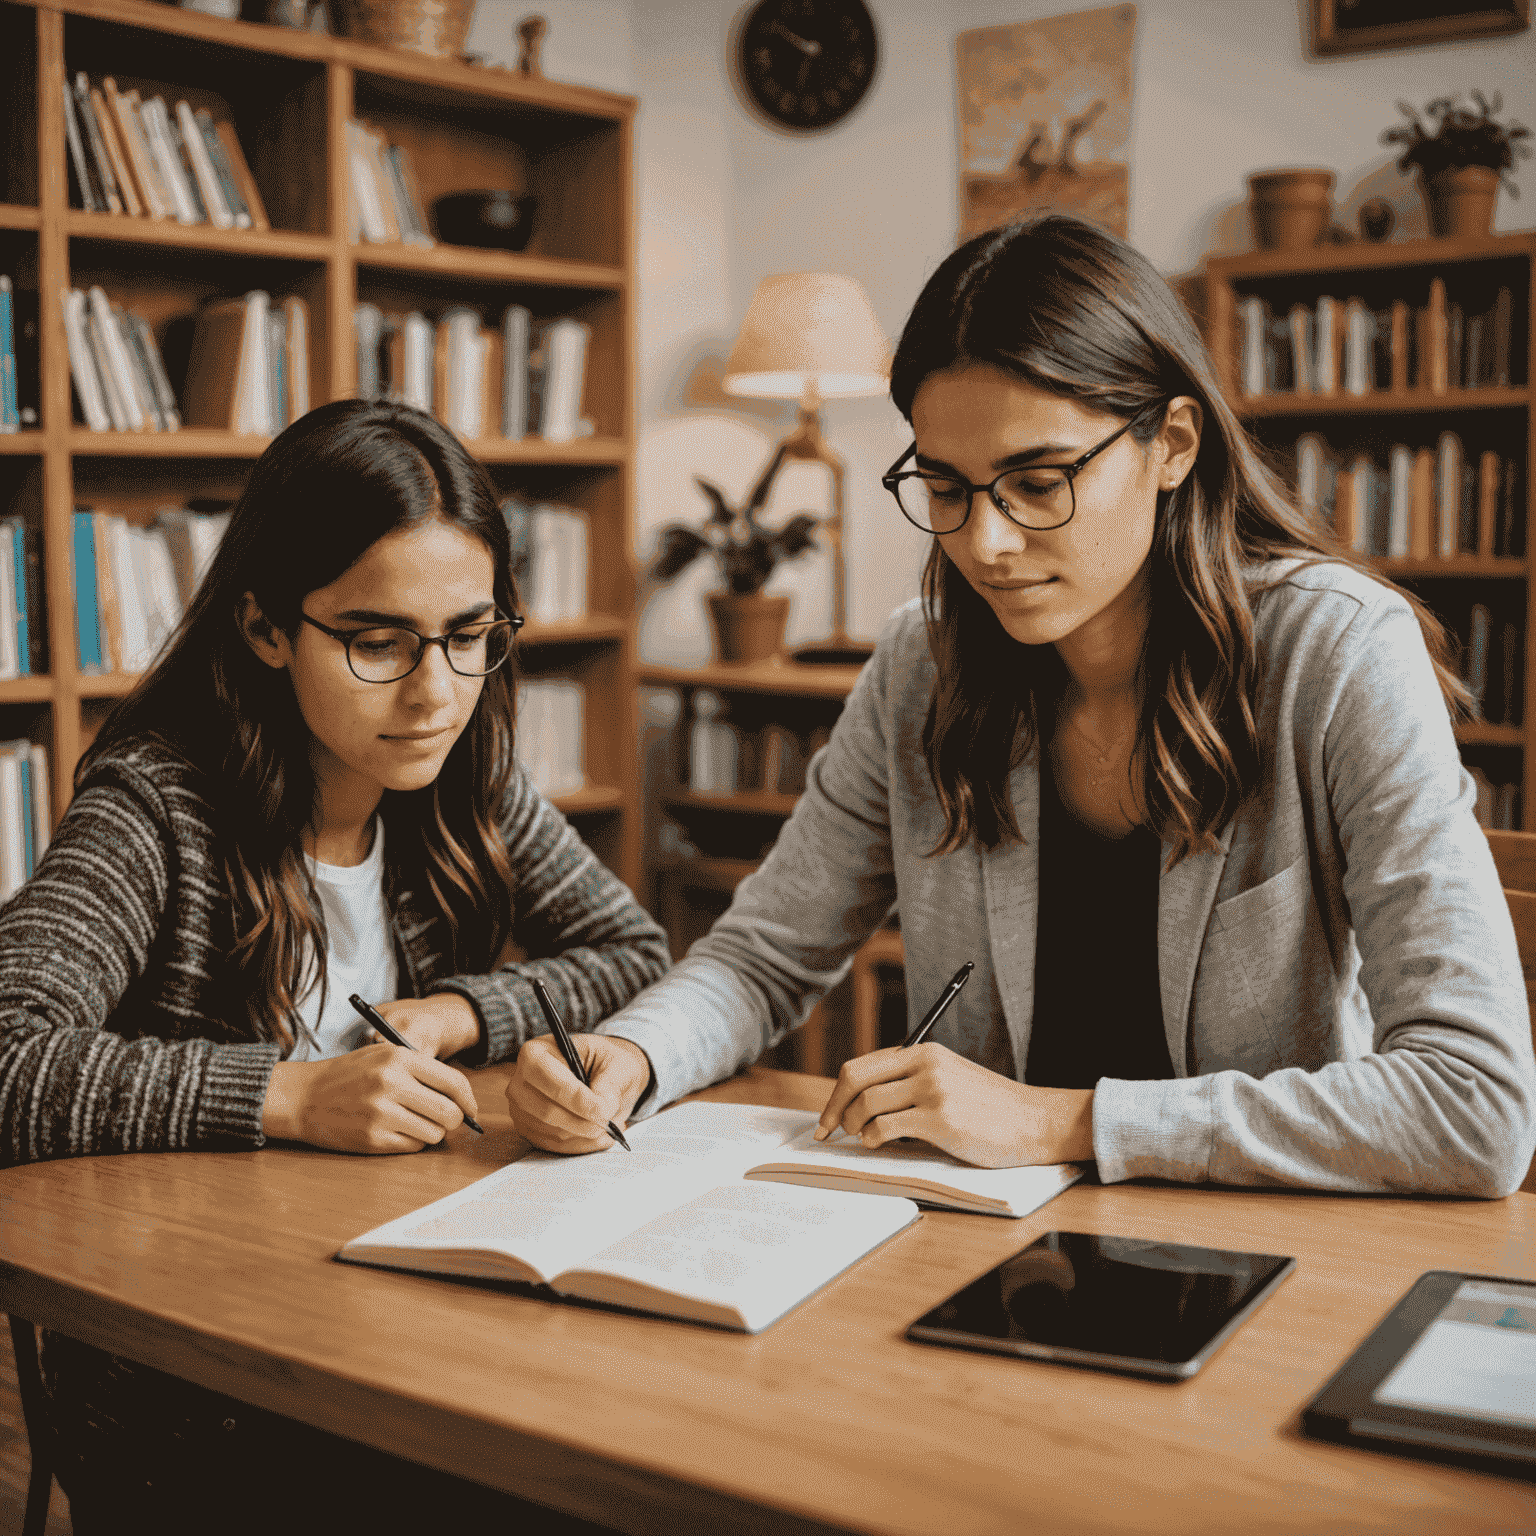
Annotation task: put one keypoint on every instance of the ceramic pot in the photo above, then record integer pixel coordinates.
(1460, 201)
(748, 628)
(1291, 209)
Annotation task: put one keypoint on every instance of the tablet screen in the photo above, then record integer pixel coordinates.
(1477, 1359)
(1118, 1298)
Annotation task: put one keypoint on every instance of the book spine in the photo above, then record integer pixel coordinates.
(136, 146)
(1357, 359)
(1400, 337)
(1300, 320)
(10, 603)
(106, 122)
(1435, 366)
(10, 408)
(1447, 493)
(184, 164)
(143, 379)
(87, 612)
(203, 173)
(89, 199)
(116, 360)
(1488, 477)
(1421, 506)
(1400, 496)
(95, 147)
(111, 386)
(1326, 357)
(164, 394)
(22, 565)
(1477, 657)
(1255, 325)
(219, 160)
(82, 367)
(1503, 328)
(168, 158)
(250, 193)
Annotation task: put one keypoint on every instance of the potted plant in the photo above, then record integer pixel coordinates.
(1461, 163)
(748, 624)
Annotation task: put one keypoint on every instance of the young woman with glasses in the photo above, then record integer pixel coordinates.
(1170, 766)
(313, 793)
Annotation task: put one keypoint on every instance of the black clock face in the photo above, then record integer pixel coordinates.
(807, 63)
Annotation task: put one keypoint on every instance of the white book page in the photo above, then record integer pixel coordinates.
(740, 1255)
(549, 1212)
(917, 1167)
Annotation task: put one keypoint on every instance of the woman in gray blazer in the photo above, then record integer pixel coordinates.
(1158, 755)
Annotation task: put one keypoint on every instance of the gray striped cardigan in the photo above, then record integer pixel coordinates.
(121, 1025)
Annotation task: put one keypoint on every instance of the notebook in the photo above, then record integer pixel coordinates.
(691, 1224)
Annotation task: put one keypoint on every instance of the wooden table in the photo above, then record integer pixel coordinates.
(218, 1267)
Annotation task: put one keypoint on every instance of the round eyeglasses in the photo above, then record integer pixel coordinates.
(385, 655)
(1035, 496)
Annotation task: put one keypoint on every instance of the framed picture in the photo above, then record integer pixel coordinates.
(1361, 26)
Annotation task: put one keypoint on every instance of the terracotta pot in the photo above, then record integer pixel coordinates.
(1291, 210)
(1460, 202)
(748, 628)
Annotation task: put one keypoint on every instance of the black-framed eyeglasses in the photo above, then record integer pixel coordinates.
(1036, 496)
(386, 654)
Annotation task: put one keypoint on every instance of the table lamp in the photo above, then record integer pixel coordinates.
(810, 337)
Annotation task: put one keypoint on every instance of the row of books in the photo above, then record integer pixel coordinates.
(115, 365)
(20, 382)
(24, 816)
(248, 370)
(1491, 668)
(1344, 346)
(132, 583)
(23, 648)
(150, 160)
(386, 200)
(550, 715)
(725, 759)
(550, 559)
(524, 378)
(1498, 805)
(1419, 502)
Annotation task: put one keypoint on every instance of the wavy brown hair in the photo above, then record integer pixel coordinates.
(321, 495)
(1069, 308)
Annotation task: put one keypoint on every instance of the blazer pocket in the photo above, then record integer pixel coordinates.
(1254, 955)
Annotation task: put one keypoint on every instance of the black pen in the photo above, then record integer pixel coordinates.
(568, 1050)
(393, 1035)
(946, 997)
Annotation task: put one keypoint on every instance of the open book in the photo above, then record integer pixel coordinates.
(673, 1229)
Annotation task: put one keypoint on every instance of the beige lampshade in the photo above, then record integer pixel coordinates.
(809, 332)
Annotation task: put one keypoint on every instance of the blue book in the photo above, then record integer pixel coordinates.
(18, 533)
(10, 414)
(87, 603)
(28, 854)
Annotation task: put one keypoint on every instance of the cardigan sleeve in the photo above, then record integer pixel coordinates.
(793, 924)
(72, 942)
(582, 933)
(1444, 1101)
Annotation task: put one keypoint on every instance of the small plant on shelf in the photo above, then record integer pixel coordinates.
(1461, 138)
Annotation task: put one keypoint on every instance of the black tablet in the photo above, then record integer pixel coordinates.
(1124, 1304)
(1449, 1373)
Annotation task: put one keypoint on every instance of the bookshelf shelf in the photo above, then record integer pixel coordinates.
(461, 261)
(785, 678)
(1386, 403)
(119, 227)
(1422, 281)
(290, 95)
(749, 802)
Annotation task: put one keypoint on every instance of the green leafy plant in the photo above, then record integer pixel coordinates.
(1461, 138)
(744, 549)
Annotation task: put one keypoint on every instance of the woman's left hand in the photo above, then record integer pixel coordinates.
(930, 1093)
(441, 1025)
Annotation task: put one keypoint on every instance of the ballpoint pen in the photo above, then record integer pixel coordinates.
(946, 997)
(383, 1027)
(568, 1050)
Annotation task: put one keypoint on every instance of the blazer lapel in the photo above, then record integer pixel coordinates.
(1011, 878)
(1185, 896)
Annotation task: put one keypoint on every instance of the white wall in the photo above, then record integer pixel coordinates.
(1222, 88)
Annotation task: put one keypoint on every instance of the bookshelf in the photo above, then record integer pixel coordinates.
(1493, 417)
(732, 830)
(290, 95)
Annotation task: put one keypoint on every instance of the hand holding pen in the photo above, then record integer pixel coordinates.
(568, 1051)
(387, 1031)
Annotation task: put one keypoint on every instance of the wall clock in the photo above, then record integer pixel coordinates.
(805, 64)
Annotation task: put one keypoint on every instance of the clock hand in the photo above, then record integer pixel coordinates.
(805, 45)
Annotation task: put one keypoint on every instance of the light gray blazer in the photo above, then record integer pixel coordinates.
(1342, 995)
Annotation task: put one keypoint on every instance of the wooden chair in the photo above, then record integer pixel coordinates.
(1514, 856)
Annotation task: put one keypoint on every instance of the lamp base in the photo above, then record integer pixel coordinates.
(839, 651)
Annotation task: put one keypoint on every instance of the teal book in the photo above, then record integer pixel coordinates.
(10, 414)
(87, 604)
(17, 530)
(28, 852)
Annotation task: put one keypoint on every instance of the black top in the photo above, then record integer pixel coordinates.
(1098, 1009)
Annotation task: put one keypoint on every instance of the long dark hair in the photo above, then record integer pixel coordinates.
(1069, 308)
(321, 495)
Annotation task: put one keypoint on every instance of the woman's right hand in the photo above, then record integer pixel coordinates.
(380, 1098)
(554, 1111)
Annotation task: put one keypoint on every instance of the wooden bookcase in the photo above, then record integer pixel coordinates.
(730, 830)
(291, 94)
(1497, 417)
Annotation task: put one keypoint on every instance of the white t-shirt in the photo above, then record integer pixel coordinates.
(359, 952)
